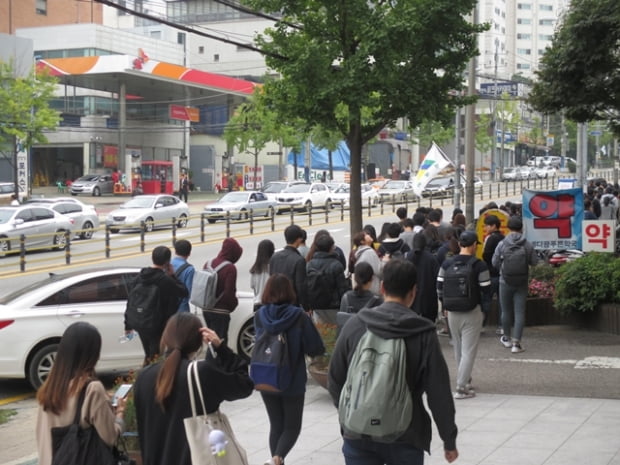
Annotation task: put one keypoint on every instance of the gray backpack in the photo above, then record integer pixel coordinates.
(515, 264)
(204, 286)
(376, 399)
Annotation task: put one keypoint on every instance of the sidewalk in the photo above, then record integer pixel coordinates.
(493, 430)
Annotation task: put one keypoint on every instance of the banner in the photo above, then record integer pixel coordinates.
(552, 219)
(434, 161)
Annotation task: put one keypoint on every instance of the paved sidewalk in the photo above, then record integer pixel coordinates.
(494, 430)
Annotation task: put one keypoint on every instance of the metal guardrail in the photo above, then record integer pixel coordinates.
(235, 225)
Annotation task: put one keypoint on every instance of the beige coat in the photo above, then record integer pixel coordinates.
(96, 411)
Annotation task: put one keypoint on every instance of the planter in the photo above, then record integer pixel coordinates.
(538, 312)
(318, 370)
(606, 318)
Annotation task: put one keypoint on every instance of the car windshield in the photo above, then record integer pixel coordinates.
(274, 187)
(235, 197)
(509, 170)
(88, 177)
(298, 188)
(344, 190)
(139, 202)
(439, 182)
(394, 185)
(6, 214)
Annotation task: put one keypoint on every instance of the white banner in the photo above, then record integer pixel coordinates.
(434, 161)
(599, 236)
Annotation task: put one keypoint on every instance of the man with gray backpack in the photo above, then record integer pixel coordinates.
(385, 359)
(513, 258)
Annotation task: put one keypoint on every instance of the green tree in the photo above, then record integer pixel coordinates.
(358, 65)
(25, 113)
(580, 72)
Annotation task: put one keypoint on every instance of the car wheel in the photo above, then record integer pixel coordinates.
(96, 192)
(308, 206)
(5, 246)
(87, 230)
(245, 340)
(210, 220)
(182, 223)
(41, 364)
(74, 194)
(60, 241)
(114, 230)
(149, 224)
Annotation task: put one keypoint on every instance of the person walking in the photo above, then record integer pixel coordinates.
(218, 318)
(393, 246)
(72, 374)
(184, 187)
(425, 303)
(492, 237)
(426, 375)
(289, 262)
(285, 409)
(183, 270)
(513, 257)
(161, 393)
(169, 290)
(463, 286)
(259, 273)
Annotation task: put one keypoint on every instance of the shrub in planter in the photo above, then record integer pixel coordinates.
(542, 281)
(582, 285)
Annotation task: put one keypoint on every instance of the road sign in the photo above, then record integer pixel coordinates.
(511, 88)
(596, 133)
(274, 153)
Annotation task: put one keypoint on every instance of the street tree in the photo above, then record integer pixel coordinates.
(580, 73)
(25, 113)
(359, 65)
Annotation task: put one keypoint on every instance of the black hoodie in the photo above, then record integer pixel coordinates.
(391, 320)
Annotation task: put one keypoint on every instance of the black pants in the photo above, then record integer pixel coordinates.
(285, 416)
(150, 343)
(219, 323)
(183, 195)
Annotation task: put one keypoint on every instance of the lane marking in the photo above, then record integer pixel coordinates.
(10, 400)
(588, 362)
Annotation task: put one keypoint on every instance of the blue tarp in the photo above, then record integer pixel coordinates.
(341, 157)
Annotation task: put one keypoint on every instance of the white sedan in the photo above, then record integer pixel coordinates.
(239, 205)
(155, 211)
(342, 196)
(33, 319)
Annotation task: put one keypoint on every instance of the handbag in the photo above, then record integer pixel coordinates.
(210, 437)
(74, 445)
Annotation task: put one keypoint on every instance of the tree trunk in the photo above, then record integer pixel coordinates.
(354, 141)
(331, 165)
(255, 188)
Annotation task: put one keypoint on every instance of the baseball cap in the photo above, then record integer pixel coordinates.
(468, 238)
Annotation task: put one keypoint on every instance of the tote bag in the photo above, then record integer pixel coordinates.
(199, 427)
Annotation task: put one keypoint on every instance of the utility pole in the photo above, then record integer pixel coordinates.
(457, 161)
(494, 155)
(470, 134)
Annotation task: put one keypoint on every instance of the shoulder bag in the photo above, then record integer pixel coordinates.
(210, 437)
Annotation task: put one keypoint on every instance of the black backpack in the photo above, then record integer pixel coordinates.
(143, 307)
(461, 292)
(320, 288)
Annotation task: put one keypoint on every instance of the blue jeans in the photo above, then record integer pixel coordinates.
(512, 299)
(368, 452)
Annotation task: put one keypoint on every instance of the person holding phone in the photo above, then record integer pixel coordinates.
(74, 371)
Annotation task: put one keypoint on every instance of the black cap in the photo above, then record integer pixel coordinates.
(468, 238)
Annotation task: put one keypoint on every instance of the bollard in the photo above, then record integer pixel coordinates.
(202, 227)
(273, 220)
(251, 221)
(292, 216)
(142, 233)
(328, 207)
(174, 230)
(309, 216)
(22, 252)
(227, 224)
(369, 208)
(393, 203)
(381, 202)
(67, 247)
(342, 211)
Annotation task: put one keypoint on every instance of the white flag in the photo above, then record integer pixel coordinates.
(434, 161)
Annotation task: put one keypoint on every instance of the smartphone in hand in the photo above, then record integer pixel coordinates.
(121, 393)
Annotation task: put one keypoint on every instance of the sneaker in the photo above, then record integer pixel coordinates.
(269, 462)
(499, 331)
(443, 332)
(469, 388)
(505, 342)
(462, 393)
(516, 348)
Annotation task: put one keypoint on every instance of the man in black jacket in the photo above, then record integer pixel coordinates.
(427, 372)
(289, 262)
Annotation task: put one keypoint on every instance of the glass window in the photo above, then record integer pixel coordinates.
(524, 36)
(41, 7)
(524, 51)
(524, 6)
(524, 21)
(545, 7)
(545, 22)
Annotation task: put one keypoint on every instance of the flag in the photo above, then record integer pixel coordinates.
(434, 161)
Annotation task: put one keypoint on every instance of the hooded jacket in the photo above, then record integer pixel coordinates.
(391, 245)
(490, 244)
(329, 264)
(427, 369)
(425, 302)
(227, 275)
(513, 238)
(302, 335)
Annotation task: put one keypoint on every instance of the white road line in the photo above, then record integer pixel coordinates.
(588, 362)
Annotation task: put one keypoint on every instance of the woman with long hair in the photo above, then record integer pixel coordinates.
(161, 391)
(259, 273)
(285, 409)
(73, 372)
(361, 295)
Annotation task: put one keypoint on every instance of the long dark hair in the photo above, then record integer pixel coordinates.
(181, 337)
(363, 275)
(76, 357)
(263, 255)
(313, 247)
(278, 290)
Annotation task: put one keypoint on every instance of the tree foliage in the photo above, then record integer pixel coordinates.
(358, 65)
(580, 72)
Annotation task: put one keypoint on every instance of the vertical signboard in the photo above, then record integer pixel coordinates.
(248, 177)
(599, 235)
(22, 170)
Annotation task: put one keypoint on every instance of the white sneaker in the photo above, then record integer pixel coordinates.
(516, 348)
(505, 341)
(269, 462)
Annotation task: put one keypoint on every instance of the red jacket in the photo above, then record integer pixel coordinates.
(227, 275)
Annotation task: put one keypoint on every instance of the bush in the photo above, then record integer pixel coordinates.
(542, 281)
(582, 285)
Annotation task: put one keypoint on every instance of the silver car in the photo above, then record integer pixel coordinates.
(93, 184)
(239, 205)
(397, 190)
(84, 217)
(156, 211)
(41, 226)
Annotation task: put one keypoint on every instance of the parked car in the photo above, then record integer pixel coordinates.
(304, 196)
(439, 187)
(546, 171)
(342, 196)
(239, 204)
(7, 189)
(83, 217)
(93, 184)
(41, 226)
(33, 319)
(552, 160)
(514, 174)
(156, 211)
(397, 190)
(273, 188)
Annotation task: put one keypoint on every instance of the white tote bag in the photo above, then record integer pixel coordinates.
(224, 449)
